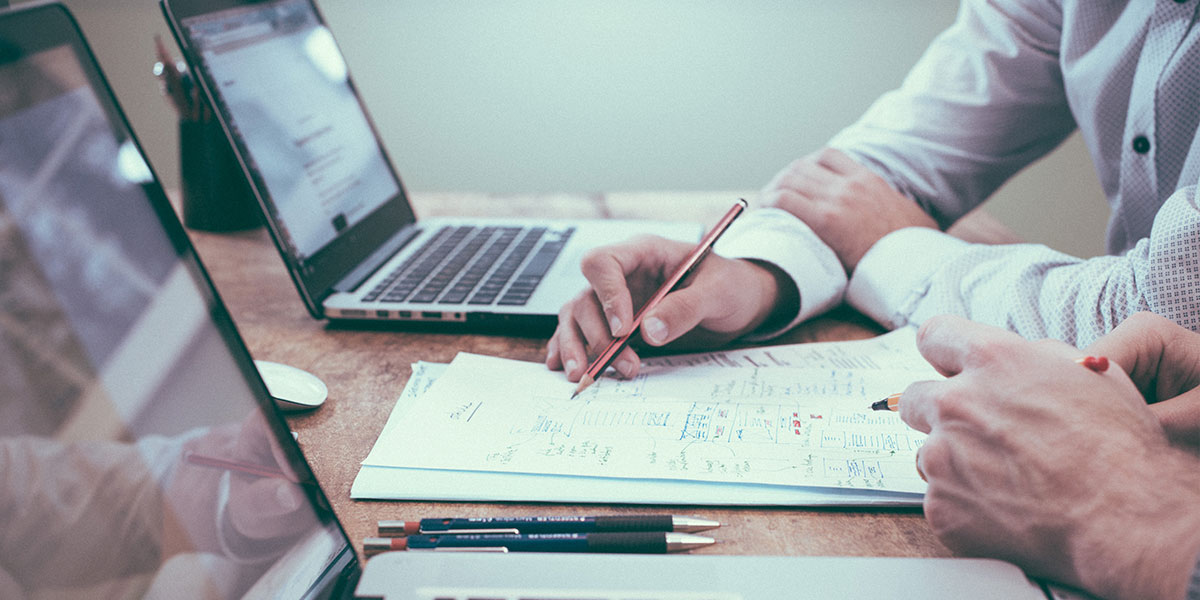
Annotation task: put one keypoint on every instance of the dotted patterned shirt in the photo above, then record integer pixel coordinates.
(1001, 88)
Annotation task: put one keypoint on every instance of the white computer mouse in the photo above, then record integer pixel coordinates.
(293, 389)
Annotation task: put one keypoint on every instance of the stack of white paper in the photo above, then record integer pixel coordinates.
(780, 425)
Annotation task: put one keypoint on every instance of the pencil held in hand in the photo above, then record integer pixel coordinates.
(891, 403)
(1098, 364)
(235, 466)
(688, 265)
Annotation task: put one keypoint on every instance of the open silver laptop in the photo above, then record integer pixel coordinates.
(142, 455)
(333, 202)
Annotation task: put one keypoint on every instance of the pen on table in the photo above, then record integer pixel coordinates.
(233, 465)
(1099, 364)
(644, 542)
(517, 525)
(687, 266)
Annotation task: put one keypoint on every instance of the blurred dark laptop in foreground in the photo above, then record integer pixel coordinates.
(140, 453)
(333, 202)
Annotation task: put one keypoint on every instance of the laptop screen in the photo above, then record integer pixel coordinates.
(283, 90)
(284, 84)
(138, 455)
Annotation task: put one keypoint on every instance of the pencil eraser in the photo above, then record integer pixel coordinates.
(1098, 364)
(395, 528)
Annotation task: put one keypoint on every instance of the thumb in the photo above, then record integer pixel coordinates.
(266, 508)
(678, 313)
(1180, 418)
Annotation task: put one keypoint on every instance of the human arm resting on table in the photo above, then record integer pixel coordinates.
(914, 274)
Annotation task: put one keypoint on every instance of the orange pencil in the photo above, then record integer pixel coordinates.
(891, 403)
(233, 465)
(1098, 364)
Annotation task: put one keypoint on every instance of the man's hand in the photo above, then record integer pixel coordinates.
(845, 203)
(1163, 360)
(266, 508)
(262, 514)
(1039, 461)
(722, 299)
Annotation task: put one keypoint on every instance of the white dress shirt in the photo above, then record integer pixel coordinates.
(999, 89)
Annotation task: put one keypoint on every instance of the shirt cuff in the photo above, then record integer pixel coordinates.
(893, 276)
(775, 236)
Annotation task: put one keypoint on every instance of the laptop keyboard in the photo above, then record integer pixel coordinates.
(475, 266)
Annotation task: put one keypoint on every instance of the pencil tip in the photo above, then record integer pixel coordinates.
(583, 384)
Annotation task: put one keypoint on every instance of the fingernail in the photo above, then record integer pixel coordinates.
(571, 365)
(624, 367)
(614, 323)
(654, 329)
(551, 350)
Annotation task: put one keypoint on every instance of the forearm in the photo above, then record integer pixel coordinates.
(984, 100)
(914, 274)
(1147, 544)
(807, 274)
(1028, 289)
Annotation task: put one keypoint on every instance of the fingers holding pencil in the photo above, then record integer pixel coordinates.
(719, 300)
(1096, 364)
(654, 330)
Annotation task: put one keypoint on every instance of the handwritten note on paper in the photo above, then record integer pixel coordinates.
(423, 376)
(779, 425)
(892, 350)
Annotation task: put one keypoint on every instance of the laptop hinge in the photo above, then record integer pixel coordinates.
(376, 259)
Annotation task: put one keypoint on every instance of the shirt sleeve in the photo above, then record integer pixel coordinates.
(776, 237)
(985, 100)
(913, 274)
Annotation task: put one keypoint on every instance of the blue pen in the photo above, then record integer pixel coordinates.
(647, 542)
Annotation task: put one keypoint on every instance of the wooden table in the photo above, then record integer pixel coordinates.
(365, 370)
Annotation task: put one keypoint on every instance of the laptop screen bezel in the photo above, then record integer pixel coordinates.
(316, 276)
(41, 26)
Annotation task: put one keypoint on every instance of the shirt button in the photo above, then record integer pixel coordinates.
(1141, 145)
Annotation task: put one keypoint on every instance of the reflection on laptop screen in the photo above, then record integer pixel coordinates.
(284, 84)
(134, 458)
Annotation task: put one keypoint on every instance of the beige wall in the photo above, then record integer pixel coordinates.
(517, 96)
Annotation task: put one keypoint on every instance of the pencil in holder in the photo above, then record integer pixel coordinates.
(215, 193)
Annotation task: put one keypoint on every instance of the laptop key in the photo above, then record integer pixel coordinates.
(429, 276)
(495, 283)
(387, 289)
(452, 267)
(537, 267)
(388, 281)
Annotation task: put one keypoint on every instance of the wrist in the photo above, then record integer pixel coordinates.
(779, 298)
(1145, 541)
